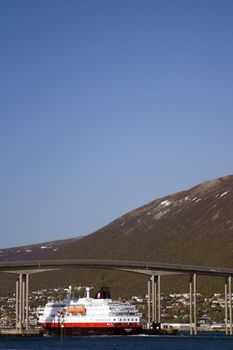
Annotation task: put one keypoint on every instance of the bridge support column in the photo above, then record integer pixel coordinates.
(193, 303)
(27, 301)
(159, 300)
(149, 303)
(22, 302)
(228, 305)
(154, 300)
(17, 304)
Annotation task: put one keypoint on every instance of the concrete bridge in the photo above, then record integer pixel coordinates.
(153, 270)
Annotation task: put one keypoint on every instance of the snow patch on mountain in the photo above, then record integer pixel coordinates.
(165, 203)
(223, 194)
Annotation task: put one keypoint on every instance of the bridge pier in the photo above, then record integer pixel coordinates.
(149, 303)
(193, 303)
(154, 300)
(228, 305)
(22, 302)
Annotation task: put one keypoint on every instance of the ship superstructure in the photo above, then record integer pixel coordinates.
(91, 316)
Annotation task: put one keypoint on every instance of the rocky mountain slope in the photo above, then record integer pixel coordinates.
(190, 227)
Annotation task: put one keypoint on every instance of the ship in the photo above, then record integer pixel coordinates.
(90, 316)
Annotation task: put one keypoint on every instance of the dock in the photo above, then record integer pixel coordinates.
(22, 333)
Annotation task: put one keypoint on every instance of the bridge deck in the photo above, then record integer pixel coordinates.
(132, 266)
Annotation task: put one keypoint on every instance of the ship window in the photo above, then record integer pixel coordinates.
(120, 319)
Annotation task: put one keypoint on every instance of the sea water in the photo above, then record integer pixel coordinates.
(200, 342)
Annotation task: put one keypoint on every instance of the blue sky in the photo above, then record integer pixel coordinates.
(107, 105)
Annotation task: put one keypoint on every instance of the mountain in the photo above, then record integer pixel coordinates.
(194, 226)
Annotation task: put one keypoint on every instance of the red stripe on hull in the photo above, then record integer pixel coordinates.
(91, 329)
(51, 325)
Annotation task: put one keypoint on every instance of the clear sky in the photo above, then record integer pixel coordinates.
(106, 105)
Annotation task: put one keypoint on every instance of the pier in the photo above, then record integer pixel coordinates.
(22, 332)
(154, 271)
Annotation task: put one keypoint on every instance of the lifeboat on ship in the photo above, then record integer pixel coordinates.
(77, 310)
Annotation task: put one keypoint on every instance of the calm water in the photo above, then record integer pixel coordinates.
(213, 342)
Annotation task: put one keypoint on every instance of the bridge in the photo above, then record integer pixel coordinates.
(153, 270)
